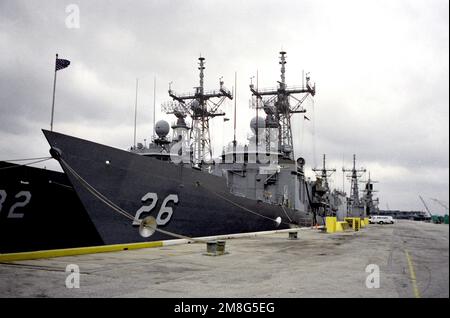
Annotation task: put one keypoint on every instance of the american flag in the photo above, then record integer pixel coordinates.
(61, 63)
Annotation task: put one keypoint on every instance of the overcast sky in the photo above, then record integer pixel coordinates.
(381, 68)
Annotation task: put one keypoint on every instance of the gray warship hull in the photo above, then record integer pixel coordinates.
(184, 201)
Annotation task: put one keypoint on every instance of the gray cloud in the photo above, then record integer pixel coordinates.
(381, 69)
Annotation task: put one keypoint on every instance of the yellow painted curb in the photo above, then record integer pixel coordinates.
(11, 257)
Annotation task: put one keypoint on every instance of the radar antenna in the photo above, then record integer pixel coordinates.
(276, 103)
(201, 106)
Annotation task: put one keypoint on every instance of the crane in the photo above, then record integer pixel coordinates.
(425, 205)
(442, 204)
(434, 218)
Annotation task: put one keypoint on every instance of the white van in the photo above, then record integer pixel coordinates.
(381, 219)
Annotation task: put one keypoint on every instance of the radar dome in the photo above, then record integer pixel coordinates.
(195, 104)
(162, 128)
(261, 122)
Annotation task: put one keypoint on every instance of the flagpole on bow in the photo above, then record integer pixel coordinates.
(53, 101)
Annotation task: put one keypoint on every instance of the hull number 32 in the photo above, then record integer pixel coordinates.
(165, 212)
(23, 197)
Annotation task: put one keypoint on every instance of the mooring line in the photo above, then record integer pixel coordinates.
(284, 210)
(25, 159)
(115, 207)
(26, 164)
(243, 207)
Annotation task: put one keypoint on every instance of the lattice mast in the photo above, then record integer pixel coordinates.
(201, 106)
(276, 103)
(354, 175)
(369, 191)
(324, 173)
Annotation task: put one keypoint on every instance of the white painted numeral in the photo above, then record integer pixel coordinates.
(146, 208)
(2, 198)
(166, 210)
(16, 205)
(11, 213)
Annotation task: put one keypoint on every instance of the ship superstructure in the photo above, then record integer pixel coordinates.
(368, 200)
(324, 173)
(331, 202)
(354, 203)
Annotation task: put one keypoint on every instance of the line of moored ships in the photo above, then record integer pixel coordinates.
(105, 194)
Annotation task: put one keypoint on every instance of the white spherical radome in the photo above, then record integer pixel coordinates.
(260, 121)
(162, 128)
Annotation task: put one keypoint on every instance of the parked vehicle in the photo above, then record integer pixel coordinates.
(381, 219)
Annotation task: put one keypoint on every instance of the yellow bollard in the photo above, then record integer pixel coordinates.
(330, 224)
(349, 221)
(357, 224)
(354, 223)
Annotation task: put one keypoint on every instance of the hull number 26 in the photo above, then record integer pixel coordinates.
(165, 212)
